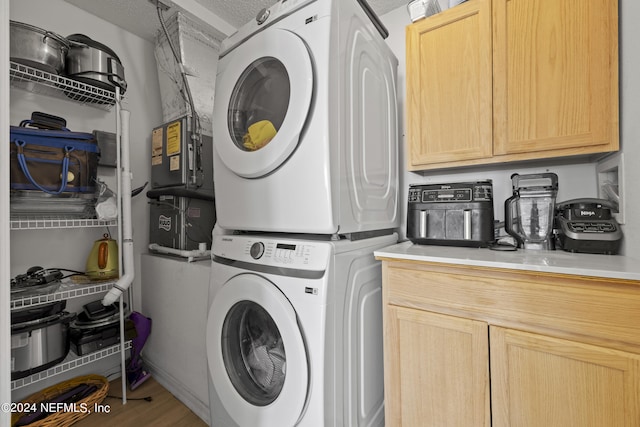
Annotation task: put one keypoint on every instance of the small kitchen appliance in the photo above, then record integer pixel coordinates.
(530, 211)
(102, 262)
(457, 214)
(97, 327)
(586, 225)
(36, 281)
(93, 63)
(39, 338)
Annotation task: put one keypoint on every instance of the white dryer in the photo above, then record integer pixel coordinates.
(294, 332)
(305, 122)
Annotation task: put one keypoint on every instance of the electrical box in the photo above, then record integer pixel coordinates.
(181, 159)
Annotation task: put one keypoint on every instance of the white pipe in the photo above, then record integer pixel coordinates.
(127, 234)
(195, 253)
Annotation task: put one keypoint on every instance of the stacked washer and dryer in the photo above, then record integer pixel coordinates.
(306, 183)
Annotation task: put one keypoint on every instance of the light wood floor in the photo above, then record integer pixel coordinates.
(163, 411)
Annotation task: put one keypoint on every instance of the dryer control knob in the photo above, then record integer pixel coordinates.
(257, 250)
(262, 16)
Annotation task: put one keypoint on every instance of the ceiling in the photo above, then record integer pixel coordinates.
(140, 16)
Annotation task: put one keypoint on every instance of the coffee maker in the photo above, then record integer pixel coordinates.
(529, 213)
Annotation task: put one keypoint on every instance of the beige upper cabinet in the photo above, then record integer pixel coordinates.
(507, 80)
(449, 85)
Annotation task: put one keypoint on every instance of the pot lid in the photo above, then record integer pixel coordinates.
(86, 40)
(45, 33)
(62, 317)
(83, 322)
(37, 312)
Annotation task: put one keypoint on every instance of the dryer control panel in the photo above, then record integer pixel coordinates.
(288, 253)
(265, 18)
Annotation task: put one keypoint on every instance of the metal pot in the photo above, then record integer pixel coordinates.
(93, 63)
(37, 48)
(39, 344)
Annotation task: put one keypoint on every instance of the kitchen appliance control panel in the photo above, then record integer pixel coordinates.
(301, 255)
(456, 192)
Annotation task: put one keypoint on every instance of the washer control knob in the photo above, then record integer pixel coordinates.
(257, 250)
(262, 16)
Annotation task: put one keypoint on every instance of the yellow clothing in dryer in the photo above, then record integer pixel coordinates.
(258, 135)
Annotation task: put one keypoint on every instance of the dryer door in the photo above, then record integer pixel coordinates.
(263, 94)
(256, 353)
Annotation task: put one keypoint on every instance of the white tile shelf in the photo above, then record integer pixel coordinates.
(35, 223)
(66, 291)
(70, 362)
(41, 82)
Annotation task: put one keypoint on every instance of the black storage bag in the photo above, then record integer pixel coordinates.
(53, 161)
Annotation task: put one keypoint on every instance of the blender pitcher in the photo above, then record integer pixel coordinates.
(530, 211)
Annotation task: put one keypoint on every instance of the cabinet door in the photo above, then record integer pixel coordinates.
(555, 76)
(449, 86)
(542, 381)
(436, 370)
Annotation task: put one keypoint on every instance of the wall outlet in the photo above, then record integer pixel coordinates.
(610, 172)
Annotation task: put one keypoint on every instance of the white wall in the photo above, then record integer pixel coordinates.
(176, 298)
(69, 248)
(576, 178)
(630, 118)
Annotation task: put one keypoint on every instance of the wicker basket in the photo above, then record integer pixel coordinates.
(61, 418)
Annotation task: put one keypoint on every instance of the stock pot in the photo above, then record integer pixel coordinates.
(37, 48)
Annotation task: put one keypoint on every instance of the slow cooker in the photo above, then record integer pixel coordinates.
(39, 338)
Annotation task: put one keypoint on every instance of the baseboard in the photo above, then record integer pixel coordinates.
(175, 387)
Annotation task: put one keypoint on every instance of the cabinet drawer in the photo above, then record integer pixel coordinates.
(591, 310)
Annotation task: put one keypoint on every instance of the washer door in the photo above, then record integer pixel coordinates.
(263, 94)
(256, 353)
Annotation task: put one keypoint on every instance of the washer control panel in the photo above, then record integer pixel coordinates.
(288, 253)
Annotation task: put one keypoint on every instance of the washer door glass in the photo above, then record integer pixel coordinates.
(253, 353)
(263, 96)
(257, 357)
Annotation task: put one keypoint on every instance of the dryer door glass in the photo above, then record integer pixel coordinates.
(258, 104)
(253, 353)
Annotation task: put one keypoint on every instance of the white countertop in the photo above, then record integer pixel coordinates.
(561, 262)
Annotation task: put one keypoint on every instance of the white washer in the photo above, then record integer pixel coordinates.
(294, 332)
(319, 76)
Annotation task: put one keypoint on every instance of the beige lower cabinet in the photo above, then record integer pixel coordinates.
(438, 374)
(543, 381)
(471, 346)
